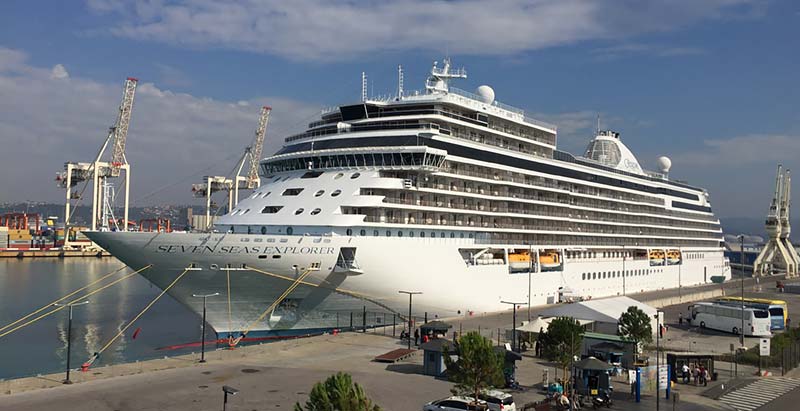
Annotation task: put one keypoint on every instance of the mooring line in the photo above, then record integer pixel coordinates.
(57, 309)
(44, 307)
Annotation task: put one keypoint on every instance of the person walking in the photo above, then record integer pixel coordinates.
(685, 371)
(694, 374)
(680, 318)
(702, 375)
(706, 377)
(416, 336)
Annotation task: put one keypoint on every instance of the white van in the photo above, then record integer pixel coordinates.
(729, 319)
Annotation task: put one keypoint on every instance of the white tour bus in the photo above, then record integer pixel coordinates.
(729, 319)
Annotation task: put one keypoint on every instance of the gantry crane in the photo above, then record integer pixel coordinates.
(779, 251)
(98, 171)
(250, 181)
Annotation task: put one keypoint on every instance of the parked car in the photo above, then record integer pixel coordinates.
(456, 404)
(498, 400)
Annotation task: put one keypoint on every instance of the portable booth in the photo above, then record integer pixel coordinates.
(592, 376)
(433, 360)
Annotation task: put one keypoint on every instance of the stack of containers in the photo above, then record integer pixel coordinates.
(20, 239)
(3, 237)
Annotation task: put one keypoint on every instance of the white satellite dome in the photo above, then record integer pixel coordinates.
(485, 93)
(664, 164)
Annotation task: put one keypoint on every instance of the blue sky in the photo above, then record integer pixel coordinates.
(711, 83)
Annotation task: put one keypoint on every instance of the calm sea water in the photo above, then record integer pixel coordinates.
(26, 285)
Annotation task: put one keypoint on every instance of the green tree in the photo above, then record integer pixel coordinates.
(562, 341)
(337, 393)
(634, 324)
(478, 366)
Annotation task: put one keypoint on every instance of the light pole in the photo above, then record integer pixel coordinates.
(658, 358)
(226, 389)
(69, 334)
(680, 263)
(741, 266)
(624, 257)
(410, 295)
(514, 342)
(203, 337)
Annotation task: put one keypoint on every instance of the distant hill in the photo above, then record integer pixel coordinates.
(750, 226)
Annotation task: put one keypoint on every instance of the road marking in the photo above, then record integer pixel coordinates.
(758, 393)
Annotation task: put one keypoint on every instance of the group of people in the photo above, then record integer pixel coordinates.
(699, 375)
(417, 341)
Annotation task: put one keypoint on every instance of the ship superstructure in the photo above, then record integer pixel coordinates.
(442, 191)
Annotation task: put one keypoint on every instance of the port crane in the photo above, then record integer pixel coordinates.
(99, 171)
(248, 181)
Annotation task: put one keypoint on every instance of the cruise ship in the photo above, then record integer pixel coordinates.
(441, 192)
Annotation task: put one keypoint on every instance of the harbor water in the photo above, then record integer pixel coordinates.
(28, 284)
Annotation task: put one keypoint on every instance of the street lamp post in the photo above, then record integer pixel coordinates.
(624, 257)
(741, 266)
(530, 269)
(658, 358)
(515, 343)
(69, 335)
(203, 337)
(410, 295)
(226, 389)
(680, 263)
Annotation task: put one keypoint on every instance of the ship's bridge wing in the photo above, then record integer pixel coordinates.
(400, 157)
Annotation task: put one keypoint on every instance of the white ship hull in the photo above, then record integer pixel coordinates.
(449, 286)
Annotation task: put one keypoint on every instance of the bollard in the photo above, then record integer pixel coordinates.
(351, 321)
(394, 324)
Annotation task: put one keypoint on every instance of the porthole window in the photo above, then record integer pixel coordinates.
(399, 233)
(375, 233)
(319, 193)
(299, 211)
(349, 231)
(289, 230)
(338, 176)
(388, 233)
(263, 230)
(462, 235)
(452, 235)
(214, 267)
(470, 235)
(583, 276)
(363, 232)
(266, 194)
(316, 211)
(336, 193)
(433, 234)
(441, 234)
(422, 234)
(410, 233)
(355, 176)
(246, 211)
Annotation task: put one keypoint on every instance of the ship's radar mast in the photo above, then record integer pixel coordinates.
(440, 77)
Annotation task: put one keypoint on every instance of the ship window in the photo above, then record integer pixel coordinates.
(298, 211)
(214, 267)
(336, 193)
(266, 194)
(246, 211)
(271, 209)
(399, 233)
(583, 276)
(319, 193)
(258, 240)
(462, 235)
(290, 231)
(262, 257)
(349, 231)
(422, 234)
(311, 174)
(433, 234)
(452, 235)
(276, 256)
(441, 234)
(470, 235)
(292, 191)
(315, 211)
(388, 233)
(338, 176)
(355, 176)
(410, 233)
(363, 232)
(375, 233)
(244, 240)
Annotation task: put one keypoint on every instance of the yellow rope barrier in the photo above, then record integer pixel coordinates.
(44, 307)
(122, 331)
(55, 310)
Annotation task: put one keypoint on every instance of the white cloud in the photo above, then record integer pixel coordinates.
(338, 29)
(46, 121)
(59, 72)
(743, 151)
(628, 49)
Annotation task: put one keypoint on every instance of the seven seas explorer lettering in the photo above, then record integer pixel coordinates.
(235, 249)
